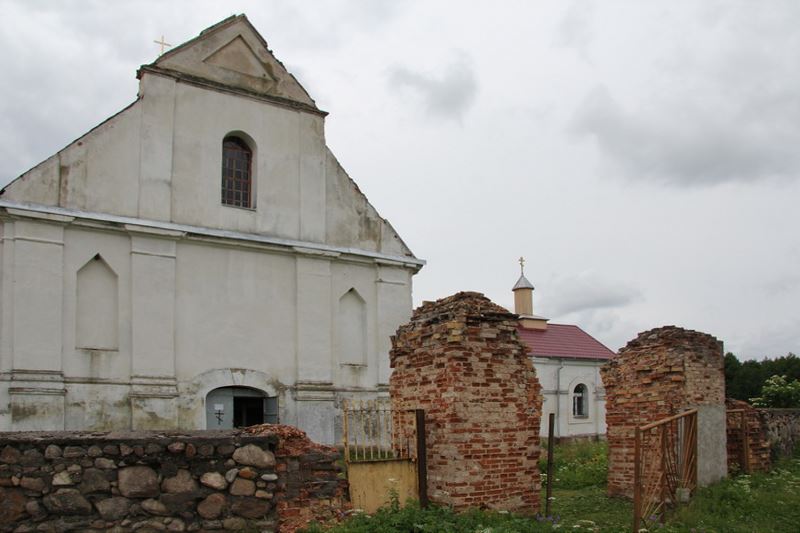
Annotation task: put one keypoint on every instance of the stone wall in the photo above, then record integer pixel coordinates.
(461, 361)
(660, 373)
(783, 430)
(262, 478)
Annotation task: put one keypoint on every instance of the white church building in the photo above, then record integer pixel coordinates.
(198, 260)
(567, 362)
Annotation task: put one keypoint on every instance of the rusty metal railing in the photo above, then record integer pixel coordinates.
(373, 431)
(665, 466)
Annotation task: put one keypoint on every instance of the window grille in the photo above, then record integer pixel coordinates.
(237, 183)
(579, 401)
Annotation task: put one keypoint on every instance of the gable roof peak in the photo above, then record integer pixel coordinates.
(232, 56)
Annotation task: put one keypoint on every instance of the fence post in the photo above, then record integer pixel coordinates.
(422, 459)
(694, 448)
(664, 471)
(745, 443)
(637, 480)
(550, 442)
(345, 435)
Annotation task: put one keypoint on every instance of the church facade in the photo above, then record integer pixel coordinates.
(199, 260)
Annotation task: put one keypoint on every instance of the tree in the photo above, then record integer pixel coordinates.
(745, 380)
(732, 368)
(778, 391)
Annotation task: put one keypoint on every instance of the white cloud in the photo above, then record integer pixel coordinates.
(719, 104)
(448, 94)
(587, 291)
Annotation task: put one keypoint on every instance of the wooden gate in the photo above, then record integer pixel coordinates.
(384, 451)
(665, 467)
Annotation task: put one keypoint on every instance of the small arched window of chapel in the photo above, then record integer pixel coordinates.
(580, 400)
(237, 174)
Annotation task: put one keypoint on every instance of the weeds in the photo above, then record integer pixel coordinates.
(763, 503)
(577, 464)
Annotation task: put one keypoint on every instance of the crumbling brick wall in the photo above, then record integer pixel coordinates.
(771, 434)
(758, 442)
(262, 478)
(460, 360)
(662, 372)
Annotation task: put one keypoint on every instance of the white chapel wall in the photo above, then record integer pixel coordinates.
(558, 390)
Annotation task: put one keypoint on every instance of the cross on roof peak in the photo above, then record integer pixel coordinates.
(163, 44)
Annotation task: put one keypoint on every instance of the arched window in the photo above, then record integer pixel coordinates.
(580, 401)
(237, 175)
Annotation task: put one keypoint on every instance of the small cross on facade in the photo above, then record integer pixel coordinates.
(163, 45)
(522, 265)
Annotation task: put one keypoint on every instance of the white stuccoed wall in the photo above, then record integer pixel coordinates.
(572, 373)
(208, 295)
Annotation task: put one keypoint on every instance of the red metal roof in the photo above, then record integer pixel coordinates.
(563, 340)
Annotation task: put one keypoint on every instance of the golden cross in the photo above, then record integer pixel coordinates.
(522, 265)
(163, 44)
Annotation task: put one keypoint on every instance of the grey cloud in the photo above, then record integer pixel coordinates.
(576, 30)
(588, 292)
(722, 104)
(773, 341)
(449, 95)
(781, 286)
(686, 143)
(329, 25)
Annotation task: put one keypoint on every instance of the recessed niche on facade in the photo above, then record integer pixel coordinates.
(97, 306)
(352, 329)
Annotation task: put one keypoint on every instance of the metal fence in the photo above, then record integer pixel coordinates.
(373, 431)
(665, 466)
(385, 451)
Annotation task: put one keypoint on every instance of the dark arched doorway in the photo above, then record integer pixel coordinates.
(233, 407)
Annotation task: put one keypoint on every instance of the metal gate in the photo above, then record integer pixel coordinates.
(665, 467)
(384, 450)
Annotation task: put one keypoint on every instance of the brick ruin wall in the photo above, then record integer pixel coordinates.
(461, 361)
(758, 443)
(260, 478)
(771, 434)
(662, 372)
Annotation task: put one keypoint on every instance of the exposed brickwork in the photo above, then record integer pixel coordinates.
(314, 489)
(771, 433)
(759, 448)
(460, 359)
(255, 479)
(661, 372)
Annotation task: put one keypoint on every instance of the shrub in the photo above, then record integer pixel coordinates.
(778, 391)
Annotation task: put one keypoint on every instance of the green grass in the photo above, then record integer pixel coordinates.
(767, 502)
(577, 464)
(761, 503)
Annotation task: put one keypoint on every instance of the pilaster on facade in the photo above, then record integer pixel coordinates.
(153, 401)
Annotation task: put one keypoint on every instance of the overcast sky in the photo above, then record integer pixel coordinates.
(644, 157)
